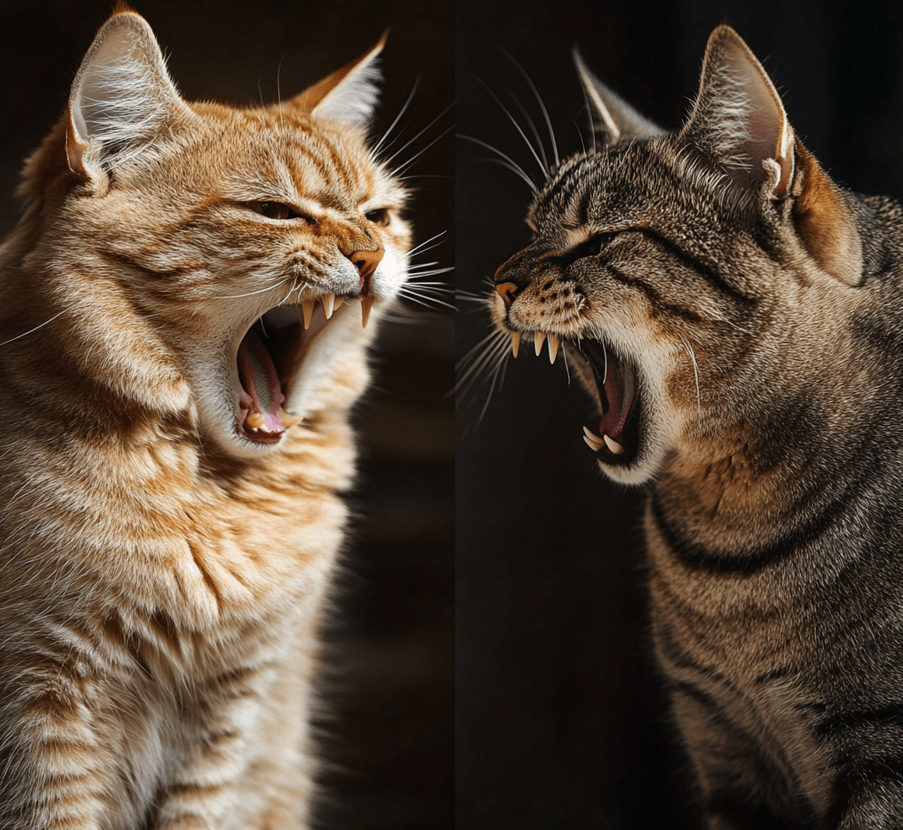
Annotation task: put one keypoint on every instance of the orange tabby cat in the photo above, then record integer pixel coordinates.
(181, 311)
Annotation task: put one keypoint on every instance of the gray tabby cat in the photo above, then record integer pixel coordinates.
(736, 315)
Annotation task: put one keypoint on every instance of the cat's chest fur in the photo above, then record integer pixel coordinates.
(734, 314)
(187, 305)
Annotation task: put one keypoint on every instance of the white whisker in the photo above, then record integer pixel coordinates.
(692, 354)
(412, 140)
(31, 331)
(417, 155)
(392, 126)
(507, 161)
(517, 127)
(420, 248)
(542, 106)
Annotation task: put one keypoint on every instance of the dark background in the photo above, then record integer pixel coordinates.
(389, 738)
(559, 723)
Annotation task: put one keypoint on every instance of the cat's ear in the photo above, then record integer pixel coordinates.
(349, 94)
(739, 122)
(613, 117)
(738, 119)
(122, 96)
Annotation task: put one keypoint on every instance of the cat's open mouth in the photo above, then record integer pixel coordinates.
(616, 440)
(268, 358)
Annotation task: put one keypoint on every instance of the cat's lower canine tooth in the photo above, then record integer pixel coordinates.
(515, 342)
(289, 420)
(307, 307)
(593, 441)
(366, 302)
(254, 420)
(538, 339)
(613, 445)
(328, 304)
(553, 347)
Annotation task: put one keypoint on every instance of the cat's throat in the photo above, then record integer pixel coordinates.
(617, 435)
(268, 358)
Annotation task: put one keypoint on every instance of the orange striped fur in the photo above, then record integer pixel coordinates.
(166, 564)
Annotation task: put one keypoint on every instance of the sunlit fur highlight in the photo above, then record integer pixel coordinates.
(760, 306)
(162, 579)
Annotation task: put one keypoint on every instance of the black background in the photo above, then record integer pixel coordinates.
(559, 722)
(389, 739)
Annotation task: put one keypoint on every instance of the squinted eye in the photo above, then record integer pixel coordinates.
(597, 244)
(279, 210)
(380, 216)
(592, 247)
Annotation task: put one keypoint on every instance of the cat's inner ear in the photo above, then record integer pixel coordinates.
(122, 96)
(349, 94)
(613, 118)
(738, 118)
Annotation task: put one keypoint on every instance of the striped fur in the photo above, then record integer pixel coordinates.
(164, 565)
(754, 306)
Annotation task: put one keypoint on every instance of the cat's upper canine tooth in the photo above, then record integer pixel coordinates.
(538, 339)
(328, 304)
(337, 301)
(307, 307)
(613, 445)
(553, 347)
(366, 302)
(515, 342)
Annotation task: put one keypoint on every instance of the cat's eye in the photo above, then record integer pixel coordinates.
(279, 210)
(597, 244)
(378, 216)
(592, 247)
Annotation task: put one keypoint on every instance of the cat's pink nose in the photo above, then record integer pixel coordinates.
(366, 263)
(508, 291)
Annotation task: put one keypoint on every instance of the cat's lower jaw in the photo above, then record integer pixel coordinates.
(279, 373)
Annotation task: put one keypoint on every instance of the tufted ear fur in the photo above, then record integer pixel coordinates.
(613, 118)
(122, 98)
(738, 122)
(349, 94)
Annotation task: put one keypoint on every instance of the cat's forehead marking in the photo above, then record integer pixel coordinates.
(563, 207)
(314, 170)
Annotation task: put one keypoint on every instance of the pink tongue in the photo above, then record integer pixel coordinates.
(260, 381)
(613, 422)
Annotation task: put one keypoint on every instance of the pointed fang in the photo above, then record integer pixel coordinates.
(254, 420)
(553, 347)
(338, 301)
(613, 445)
(366, 302)
(538, 339)
(515, 342)
(307, 306)
(593, 441)
(328, 304)
(289, 420)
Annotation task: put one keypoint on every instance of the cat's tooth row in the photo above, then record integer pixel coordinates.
(256, 422)
(539, 338)
(330, 303)
(595, 443)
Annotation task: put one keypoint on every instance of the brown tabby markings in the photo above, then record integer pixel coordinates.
(736, 315)
(164, 571)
